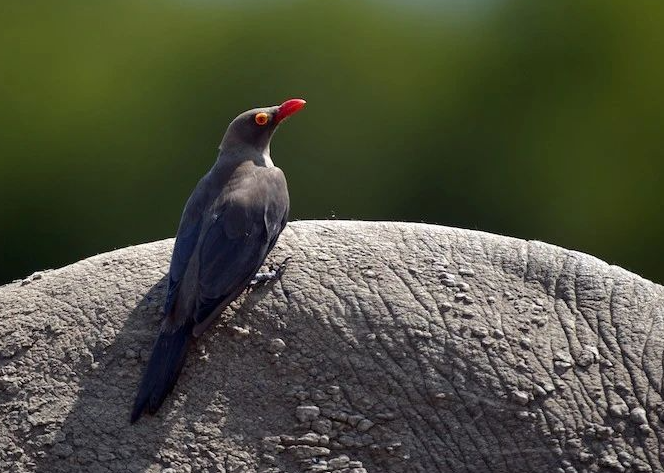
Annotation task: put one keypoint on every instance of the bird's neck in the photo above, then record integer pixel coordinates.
(230, 155)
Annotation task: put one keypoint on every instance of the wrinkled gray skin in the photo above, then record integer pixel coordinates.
(383, 347)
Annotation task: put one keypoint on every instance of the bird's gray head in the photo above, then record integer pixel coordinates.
(254, 128)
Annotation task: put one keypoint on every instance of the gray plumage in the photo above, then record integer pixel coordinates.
(229, 224)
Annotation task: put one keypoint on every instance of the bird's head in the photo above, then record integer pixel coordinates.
(254, 128)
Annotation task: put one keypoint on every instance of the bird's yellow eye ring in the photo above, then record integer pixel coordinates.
(262, 118)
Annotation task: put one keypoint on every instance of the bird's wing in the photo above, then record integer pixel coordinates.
(244, 229)
(185, 243)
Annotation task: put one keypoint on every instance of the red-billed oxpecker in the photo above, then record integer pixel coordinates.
(229, 224)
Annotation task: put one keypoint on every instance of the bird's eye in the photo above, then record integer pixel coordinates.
(262, 118)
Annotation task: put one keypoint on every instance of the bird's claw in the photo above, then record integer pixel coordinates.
(282, 266)
(273, 273)
(263, 277)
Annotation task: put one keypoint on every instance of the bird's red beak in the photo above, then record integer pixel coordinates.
(288, 108)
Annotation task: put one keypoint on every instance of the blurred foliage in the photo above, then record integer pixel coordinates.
(541, 120)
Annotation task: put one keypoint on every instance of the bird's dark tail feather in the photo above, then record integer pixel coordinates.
(166, 361)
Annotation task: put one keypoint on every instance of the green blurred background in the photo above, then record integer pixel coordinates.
(541, 120)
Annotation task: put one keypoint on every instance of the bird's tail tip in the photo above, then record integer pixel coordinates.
(136, 414)
(162, 371)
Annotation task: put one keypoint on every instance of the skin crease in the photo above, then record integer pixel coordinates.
(397, 347)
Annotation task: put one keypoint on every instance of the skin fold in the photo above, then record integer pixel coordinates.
(383, 347)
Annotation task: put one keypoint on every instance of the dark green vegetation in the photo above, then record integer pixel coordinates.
(535, 119)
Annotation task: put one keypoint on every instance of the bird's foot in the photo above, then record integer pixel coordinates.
(272, 274)
(263, 277)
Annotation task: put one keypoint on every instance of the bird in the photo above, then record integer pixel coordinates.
(229, 224)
